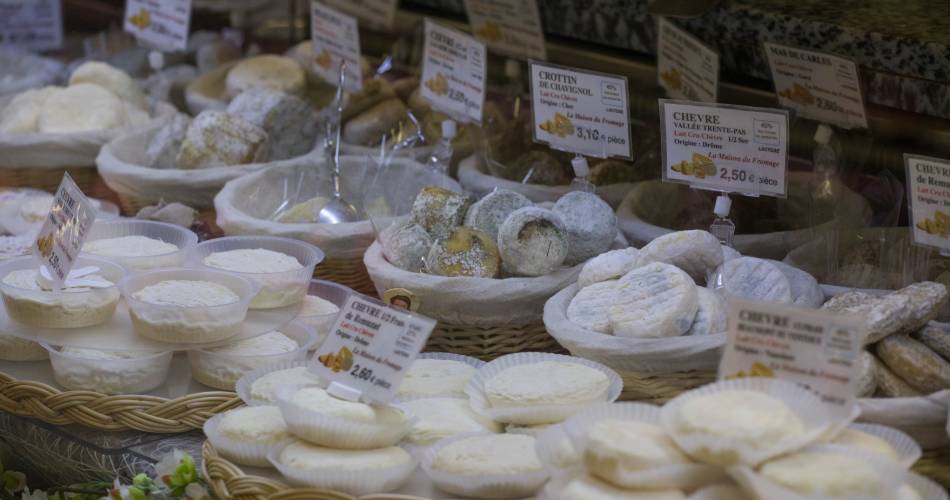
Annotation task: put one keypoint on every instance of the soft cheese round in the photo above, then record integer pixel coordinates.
(301, 455)
(658, 300)
(320, 401)
(252, 260)
(17, 349)
(491, 211)
(108, 77)
(866, 442)
(267, 72)
(289, 121)
(81, 108)
(21, 115)
(489, 454)
(28, 279)
(129, 246)
(803, 286)
(438, 211)
(590, 308)
(825, 474)
(590, 223)
(35, 208)
(265, 388)
(317, 306)
(564, 383)
(406, 246)
(608, 266)
(436, 377)
(696, 252)
(439, 418)
(711, 315)
(81, 352)
(185, 293)
(254, 424)
(532, 242)
(616, 448)
(752, 279)
(263, 345)
(590, 488)
(751, 418)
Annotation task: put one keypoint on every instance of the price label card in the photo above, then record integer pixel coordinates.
(818, 86)
(377, 14)
(162, 24)
(453, 73)
(686, 68)
(336, 38)
(580, 111)
(819, 350)
(64, 231)
(732, 149)
(31, 24)
(928, 197)
(371, 346)
(509, 27)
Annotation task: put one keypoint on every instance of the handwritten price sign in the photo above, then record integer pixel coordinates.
(161, 24)
(453, 73)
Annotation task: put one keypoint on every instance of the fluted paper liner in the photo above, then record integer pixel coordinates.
(241, 453)
(908, 451)
(679, 476)
(489, 486)
(354, 482)
(815, 416)
(557, 452)
(722, 491)
(445, 356)
(927, 488)
(244, 384)
(337, 432)
(539, 414)
(891, 475)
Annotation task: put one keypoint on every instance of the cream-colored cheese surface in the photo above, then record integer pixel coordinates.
(821, 473)
(254, 424)
(129, 246)
(753, 418)
(444, 417)
(318, 400)
(546, 383)
(185, 293)
(488, 454)
(252, 260)
(436, 377)
(305, 456)
(265, 388)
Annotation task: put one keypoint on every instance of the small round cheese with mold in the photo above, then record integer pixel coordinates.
(590, 223)
(532, 242)
(465, 252)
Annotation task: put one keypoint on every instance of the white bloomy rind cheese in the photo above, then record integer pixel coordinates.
(265, 388)
(318, 400)
(546, 383)
(608, 266)
(436, 377)
(659, 300)
(229, 362)
(752, 279)
(751, 418)
(696, 252)
(276, 291)
(72, 307)
(590, 488)
(301, 455)
(440, 418)
(616, 448)
(254, 425)
(824, 474)
(489, 454)
(191, 321)
(94, 372)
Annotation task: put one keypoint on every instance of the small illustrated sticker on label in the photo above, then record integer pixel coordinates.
(453, 73)
(64, 231)
(580, 111)
(928, 197)
(377, 14)
(509, 27)
(336, 38)
(160, 24)
(686, 68)
(31, 24)
(818, 350)
(370, 347)
(731, 149)
(818, 86)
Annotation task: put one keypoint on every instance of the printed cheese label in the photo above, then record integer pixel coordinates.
(453, 73)
(580, 111)
(35, 25)
(64, 231)
(686, 68)
(928, 196)
(509, 27)
(371, 346)
(818, 86)
(731, 149)
(336, 38)
(162, 24)
(377, 14)
(818, 350)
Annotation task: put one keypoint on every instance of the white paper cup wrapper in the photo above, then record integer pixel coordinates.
(355, 482)
(241, 453)
(243, 385)
(927, 488)
(539, 414)
(815, 416)
(445, 356)
(487, 486)
(720, 492)
(679, 476)
(336, 432)
(891, 477)
(908, 451)
(557, 451)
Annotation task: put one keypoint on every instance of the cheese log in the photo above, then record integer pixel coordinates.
(937, 337)
(438, 210)
(21, 115)
(532, 242)
(115, 80)
(406, 246)
(590, 308)
(710, 316)
(216, 139)
(466, 252)
(590, 223)
(752, 279)
(267, 72)
(82, 107)
(163, 148)
(289, 122)
(659, 300)
(867, 378)
(804, 287)
(368, 127)
(926, 298)
(608, 266)
(488, 213)
(882, 315)
(889, 384)
(696, 252)
(912, 361)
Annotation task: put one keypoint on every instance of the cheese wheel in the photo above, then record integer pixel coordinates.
(696, 252)
(659, 300)
(113, 79)
(913, 362)
(268, 72)
(488, 213)
(590, 223)
(752, 279)
(21, 115)
(608, 266)
(80, 108)
(533, 242)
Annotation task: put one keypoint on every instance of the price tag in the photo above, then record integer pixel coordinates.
(371, 346)
(686, 68)
(336, 37)
(928, 197)
(580, 111)
(732, 149)
(162, 24)
(819, 350)
(509, 27)
(31, 24)
(64, 231)
(453, 73)
(818, 86)
(377, 14)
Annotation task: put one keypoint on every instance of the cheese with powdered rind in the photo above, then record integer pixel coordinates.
(163, 148)
(465, 252)
(590, 223)
(488, 213)
(913, 362)
(290, 123)
(926, 299)
(751, 278)
(533, 242)
(658, 300)
(696, 252)
(883, 316)
(406, 246)
(217, 139)
(711, 315)
(590, 308)
(608, 266)
(804, 287)
(438, 210)
(889, 384)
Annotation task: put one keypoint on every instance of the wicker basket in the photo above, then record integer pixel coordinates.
(935, 464)
(228, 482)
(48, 179)
(347, 272)
(112, 413)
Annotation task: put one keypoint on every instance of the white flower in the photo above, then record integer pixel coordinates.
(36, 495)
(120, 491)
(167, 464)
(195, 491)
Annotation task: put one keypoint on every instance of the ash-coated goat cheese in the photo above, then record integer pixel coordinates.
(710, 316)
(696, 252)
(163, 148)
(533, 242)
(438, 210)
(488, 213)
(752, 279)
(590, 223)
(659, 300)
(608, 266)
(216, 139)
